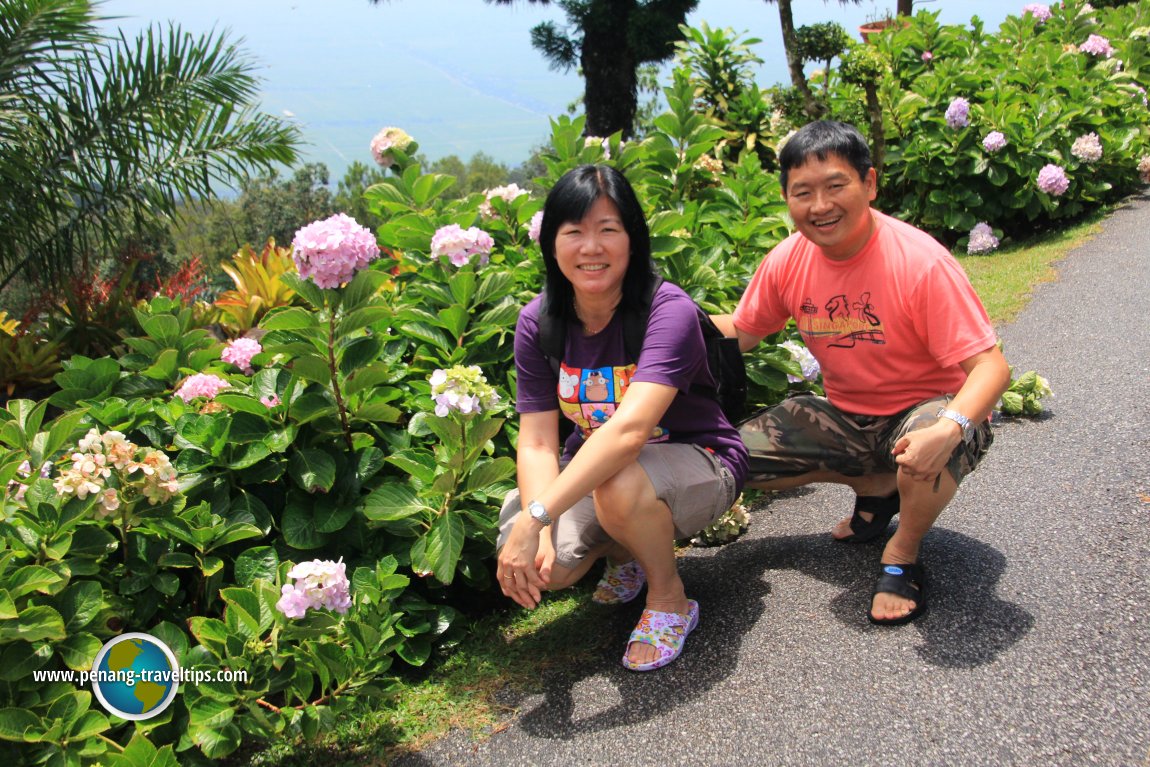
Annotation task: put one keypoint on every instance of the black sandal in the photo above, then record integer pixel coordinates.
(882, 511)
(907, 581)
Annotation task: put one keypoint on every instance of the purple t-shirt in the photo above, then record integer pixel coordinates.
(594, 375)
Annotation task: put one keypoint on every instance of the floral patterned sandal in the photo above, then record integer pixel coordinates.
(666, 632)
(620, 583)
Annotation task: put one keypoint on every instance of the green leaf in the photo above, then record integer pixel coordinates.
(79, 604)
(463, 287)
(257, 562)
(440, 548)
(291, 318)
(311, 406)
(362, 318)
(216, 743)
(392, 502)
(487, 474)
(88, 725)
(312, 469)
(78, 651)
(365, 284)
(14, 722)
(34, 624)
(378, 412)
(32, 578)
(298, 526)
(20, 659)
(312, 368)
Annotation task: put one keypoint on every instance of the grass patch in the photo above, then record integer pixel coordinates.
(1005, 279)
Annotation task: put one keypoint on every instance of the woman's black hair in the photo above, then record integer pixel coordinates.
(569, 200)
(821, 139)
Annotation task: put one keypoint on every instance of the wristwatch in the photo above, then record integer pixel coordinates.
(536, 510)
(960, 419)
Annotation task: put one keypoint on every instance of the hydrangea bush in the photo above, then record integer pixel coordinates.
(322, 501)
(1041, 121)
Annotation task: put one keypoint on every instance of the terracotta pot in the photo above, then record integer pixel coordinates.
(875, 27)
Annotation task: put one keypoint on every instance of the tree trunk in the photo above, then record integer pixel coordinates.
(877, 135)
(811, 105)
(610, 92)
(905, 7)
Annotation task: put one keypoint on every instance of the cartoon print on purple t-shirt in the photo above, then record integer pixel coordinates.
(596, 385)
(588, 397)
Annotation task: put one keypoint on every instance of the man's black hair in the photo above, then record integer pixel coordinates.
(822, 139)
(569, 200)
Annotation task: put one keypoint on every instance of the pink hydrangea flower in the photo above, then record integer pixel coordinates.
(240, 352)
(958, 113)
(505, 193)
(1052, 180)
(459, 245)
(1097, 45)
(1040, 12)
(927, 57)
(1144, 168)
(270, 401)
(1087, 148)
(981, 239)
(201, 385)
(994, 141)
(319, 584)
(535, 226)
(387, 140)
(331, 251)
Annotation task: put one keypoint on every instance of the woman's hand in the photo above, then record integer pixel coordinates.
(518, 571)
(545, 557)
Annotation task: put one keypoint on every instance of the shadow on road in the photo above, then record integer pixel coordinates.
(968, 624)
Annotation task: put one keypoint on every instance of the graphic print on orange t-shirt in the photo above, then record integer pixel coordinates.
(846, 323)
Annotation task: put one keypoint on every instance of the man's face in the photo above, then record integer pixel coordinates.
(830, 204)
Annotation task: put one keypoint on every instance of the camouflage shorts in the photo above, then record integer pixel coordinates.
(807, 433)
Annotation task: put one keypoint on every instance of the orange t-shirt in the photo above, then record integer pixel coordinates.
(889, 326)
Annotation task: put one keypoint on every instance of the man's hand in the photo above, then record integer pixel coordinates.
(518, 573)
(923, 453)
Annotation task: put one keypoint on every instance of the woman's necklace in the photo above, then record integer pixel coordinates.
(587, 330)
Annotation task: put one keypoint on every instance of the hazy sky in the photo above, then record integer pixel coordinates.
(458, 75)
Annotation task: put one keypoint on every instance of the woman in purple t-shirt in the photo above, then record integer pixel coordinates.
(650, 460)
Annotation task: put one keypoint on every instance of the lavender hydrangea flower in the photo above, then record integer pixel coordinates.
(958, 113)
(319, 584)
(459, 245)
(201, 385)
(1097, 45)
(1087, 148)
(463, 389)
(995, 141)
(1144, 168)
(806, 360)
(1040, 12)
(982, 239)
(1052, 180)
(331, 251)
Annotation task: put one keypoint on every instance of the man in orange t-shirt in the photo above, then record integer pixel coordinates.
(909, 359)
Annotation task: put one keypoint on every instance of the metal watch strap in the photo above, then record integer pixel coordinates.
(536, 510)
(963, 422)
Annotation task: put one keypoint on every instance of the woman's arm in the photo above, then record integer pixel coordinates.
(537, 466)
(612, 446)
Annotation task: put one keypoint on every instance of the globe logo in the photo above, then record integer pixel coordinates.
(135, 676)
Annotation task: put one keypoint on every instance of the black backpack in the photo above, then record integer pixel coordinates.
(723, 356)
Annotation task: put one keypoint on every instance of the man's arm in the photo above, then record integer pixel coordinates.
(726, 323)
(923, 453)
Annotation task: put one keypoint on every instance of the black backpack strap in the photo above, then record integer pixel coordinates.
(635, 321)
(552, 336)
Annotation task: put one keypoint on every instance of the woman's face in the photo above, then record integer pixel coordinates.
(593, 254)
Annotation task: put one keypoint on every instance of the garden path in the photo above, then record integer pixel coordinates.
(1036, 649)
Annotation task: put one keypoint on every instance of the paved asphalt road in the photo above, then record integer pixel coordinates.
(1036, 649)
